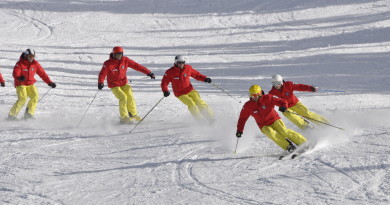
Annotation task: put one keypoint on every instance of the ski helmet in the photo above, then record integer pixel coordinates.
(254, 89)
(180, 58)
(277, 80)
(29, 52)
(117, 49)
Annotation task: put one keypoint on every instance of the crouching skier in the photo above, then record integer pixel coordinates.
(24, 72)
(180, 76)
(115, 69)
(285, 90)
(261, 107)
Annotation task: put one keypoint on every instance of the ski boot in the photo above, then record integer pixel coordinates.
(27, 115)
(11, 118)
(291, 147)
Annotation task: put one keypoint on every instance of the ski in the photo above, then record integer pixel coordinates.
(296, 153)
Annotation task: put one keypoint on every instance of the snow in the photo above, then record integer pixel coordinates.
(62, 158)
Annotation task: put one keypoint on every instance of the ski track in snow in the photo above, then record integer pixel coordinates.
(62, 158)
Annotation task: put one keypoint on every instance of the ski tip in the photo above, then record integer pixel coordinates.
(281, 157)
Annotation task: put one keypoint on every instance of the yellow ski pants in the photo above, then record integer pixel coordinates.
(197, 106)
(278, 133)
(126, 100)
(23, 92)
(301, 109)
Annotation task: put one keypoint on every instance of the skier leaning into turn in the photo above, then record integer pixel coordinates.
(24, 72)
(180, 76)
(261, 108)
(285, 90)
(115, 69)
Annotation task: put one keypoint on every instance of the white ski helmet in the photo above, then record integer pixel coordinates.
(29, 52)
(180, 58)
(277, 80)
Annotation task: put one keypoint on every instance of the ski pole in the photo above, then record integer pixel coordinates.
(337, 91)
(315, 120)
(146, 115)
(87, 109)
(44, 95)
(235, 150)
(225, 92)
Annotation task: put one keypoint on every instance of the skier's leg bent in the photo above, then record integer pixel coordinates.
(202, 105)
(32, 93)
(22, 99)
(122, 101)
(297, 120)
(304, 111)
(295, 137)
(187, 100)
(274, 136)
(131, 104)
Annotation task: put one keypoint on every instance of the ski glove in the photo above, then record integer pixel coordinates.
(314, 89)
(22, 78)
(166, 93)
(238, 134)
(282, 109)
(52, 85)
(207, 80)
(151, 75)
(2, 84)
(100, 86)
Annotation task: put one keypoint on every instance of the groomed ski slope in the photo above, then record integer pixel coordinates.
(169, 159)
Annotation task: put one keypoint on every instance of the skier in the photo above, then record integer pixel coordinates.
(23, 73)
(179, 75)
(285, 90)
(261, 107)
(115, 69)
(2, 82)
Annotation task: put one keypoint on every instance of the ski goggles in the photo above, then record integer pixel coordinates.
(255, 95)
(277, 83)
(181, 62)
(119, 53)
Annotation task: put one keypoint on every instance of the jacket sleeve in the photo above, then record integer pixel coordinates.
(302, 87)
(102, 74)
(279, 102)
(197, 75)
(244, 115)
(42, 74)
(1, 79)
(165, 82)
(132, 64)
(17, 71)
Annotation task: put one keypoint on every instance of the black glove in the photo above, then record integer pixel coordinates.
(282, 109)
(238, 134)
(166, 93)
(314, 89)
(207, 80)
(22, 78)
(151, 75)
(100, 86)
(53, 85)
(2, 84)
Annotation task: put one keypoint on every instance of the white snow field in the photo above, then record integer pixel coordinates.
(62, 158)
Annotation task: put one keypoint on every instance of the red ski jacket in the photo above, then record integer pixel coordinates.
(180, 79)
(287, 92)
(1, 79)
(115, 70)
(24, 68)
(263, 111)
